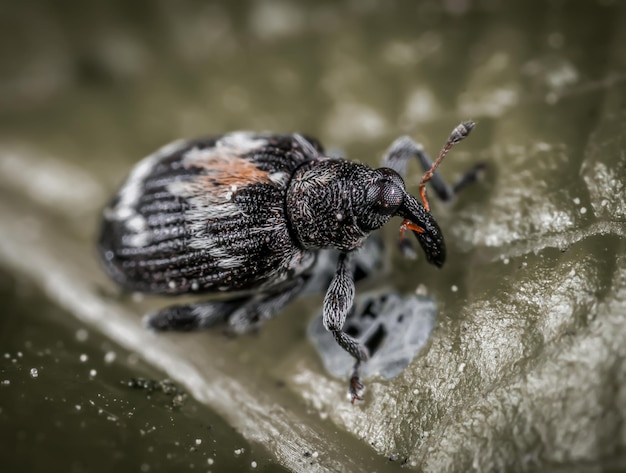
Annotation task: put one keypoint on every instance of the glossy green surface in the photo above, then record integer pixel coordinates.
(526, 368)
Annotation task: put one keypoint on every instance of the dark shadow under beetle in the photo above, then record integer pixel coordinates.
(247, 213)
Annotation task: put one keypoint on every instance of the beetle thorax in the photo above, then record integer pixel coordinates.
(325, 204)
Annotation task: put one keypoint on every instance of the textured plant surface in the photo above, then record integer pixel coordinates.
(526, 366)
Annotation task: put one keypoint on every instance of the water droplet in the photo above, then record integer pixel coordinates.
(109, 357)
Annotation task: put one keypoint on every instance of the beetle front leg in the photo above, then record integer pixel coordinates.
(337, 304)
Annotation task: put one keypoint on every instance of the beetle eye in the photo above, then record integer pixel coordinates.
(389, 196)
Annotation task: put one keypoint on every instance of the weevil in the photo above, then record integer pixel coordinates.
(247, 213)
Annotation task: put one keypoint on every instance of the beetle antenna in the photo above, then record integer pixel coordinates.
(460, 132)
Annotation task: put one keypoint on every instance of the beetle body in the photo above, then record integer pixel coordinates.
(207, 215)
(247, 213)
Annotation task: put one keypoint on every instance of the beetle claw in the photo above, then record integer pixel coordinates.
(355, 387)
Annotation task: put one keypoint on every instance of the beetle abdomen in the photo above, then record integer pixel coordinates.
(207, 215)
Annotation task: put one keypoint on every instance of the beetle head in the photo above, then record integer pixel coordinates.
(383, 196)
(386, 197)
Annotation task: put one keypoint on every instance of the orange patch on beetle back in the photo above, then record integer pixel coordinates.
(225, 169)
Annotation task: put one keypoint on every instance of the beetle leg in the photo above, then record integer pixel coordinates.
(404, 148)
(258, 309)
(243, 314)
(397, 158)
(473, 174)
(337, 304)
(185, 318)
(356, 386)
(402, 151)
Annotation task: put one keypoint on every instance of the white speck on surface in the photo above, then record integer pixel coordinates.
(6, 382)
(239, 451)
(195, 286)
(454, 288)
(92, 373)
(583, 210)
(339, 216)
(421, 290)
(34, 373)
(461, 367)
(172, 284)
(78, 407)
(198, 441)
(253, 464)
(576, 201)
(109, 357)
(83, 357)
(210, 461)
(315, 455)
(82, 335)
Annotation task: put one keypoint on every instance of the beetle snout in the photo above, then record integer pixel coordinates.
(434, 248)
(425, 229)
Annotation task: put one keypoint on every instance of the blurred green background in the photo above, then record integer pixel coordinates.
(526, 368)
